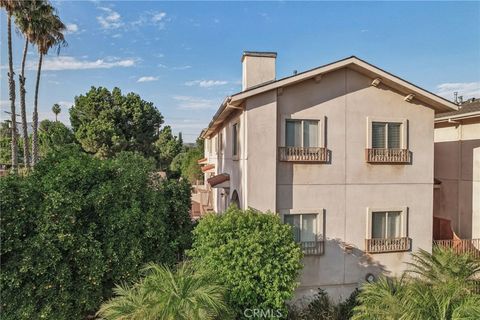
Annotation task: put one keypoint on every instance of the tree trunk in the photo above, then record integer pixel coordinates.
(35, 114)
(23, 112)
(11, 82)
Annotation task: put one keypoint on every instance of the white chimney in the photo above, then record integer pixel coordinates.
(257, 68)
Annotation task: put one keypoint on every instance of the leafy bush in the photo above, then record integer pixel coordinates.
(184, 294)
(253, 254)
(321, 307)
(437, 286)
(54, 135)
(77, 225)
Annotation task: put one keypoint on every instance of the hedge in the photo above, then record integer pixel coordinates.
(77, 225)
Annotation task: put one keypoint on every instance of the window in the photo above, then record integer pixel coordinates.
(301, 133)
(386, 135)
(387, 230)
(235, 140)
(306, 231)
(386, 224)
(220, 142)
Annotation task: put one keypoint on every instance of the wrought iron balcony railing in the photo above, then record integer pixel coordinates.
(380, 245)
(388, 155)
(313, 247)
(303, 154)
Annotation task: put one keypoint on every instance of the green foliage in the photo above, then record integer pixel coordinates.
(77, 225)
(6, 144)
(185, 294)
(186, 165)
(167, 147)
(321, 307)
(437, 286)
(106, 123)
(252, 253)
(54, 135)
(56, 109)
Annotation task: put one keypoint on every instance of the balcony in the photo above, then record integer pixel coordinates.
(382, 245)
(312, 247)
(461, 246)
(388, 155)
(303, 154)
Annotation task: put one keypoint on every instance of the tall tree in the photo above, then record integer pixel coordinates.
(27, 16)
(167, 147)
(47, 34)
(56, 109)
(10, 6)
(106, 123)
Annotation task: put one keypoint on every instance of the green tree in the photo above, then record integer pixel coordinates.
(56, 109)
(48, 33)
(77, 225)
(106, 123)
(167, 147)
(54, 135)
(252, 253)
(184, 294)
(10, 6)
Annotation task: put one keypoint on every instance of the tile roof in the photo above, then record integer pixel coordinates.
(466, 107)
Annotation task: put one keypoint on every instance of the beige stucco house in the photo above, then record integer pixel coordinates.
(343, 152)
(457, 173)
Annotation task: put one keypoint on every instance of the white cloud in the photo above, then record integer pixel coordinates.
(4, 103)
(65, 104)
(147, 79)
(206, 83)
(159, 16)
(72, 63)
(110, 20)
(71, 28)
(181, 68)
(466, 89)
(194, 103)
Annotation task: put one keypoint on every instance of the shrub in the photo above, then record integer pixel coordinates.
(184, 294)
(438, 285)
(321, 307)
(253, 254)
(77, 225)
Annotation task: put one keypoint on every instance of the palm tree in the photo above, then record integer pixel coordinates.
(166, 295)
(437, 285)
(56, 109)
(48, 34)
(10, 6)
(27, 16)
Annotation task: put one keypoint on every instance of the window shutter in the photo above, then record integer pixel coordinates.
(378, 135)
(235, 141)
(394, 135)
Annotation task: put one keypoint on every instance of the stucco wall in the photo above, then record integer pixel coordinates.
(348, 185)
(455, 165)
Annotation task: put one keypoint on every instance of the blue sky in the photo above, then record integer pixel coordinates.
(185, 56)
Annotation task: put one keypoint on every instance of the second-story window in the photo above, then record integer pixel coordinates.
(301, 133)
(386, 135)
(235, 140)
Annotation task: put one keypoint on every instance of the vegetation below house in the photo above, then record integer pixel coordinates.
(253, 254)
(77, 225)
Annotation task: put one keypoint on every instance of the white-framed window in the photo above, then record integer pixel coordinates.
(308, 228)
(235, 140)
(387, 223)
(386, 133)
(302, 132)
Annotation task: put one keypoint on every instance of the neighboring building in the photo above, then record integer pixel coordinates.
(457, 173)
(343, 152)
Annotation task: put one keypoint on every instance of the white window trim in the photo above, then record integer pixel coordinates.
(321, 128)
(403, 129)
(236, 122)
(319, 212)
(403, 219)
